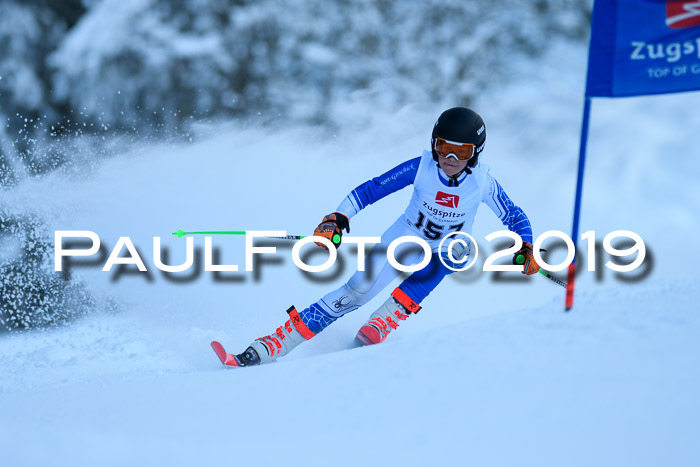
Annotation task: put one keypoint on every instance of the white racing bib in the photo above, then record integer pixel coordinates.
(435, 209)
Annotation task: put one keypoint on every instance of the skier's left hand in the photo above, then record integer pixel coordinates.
(331, 227)
(530, 266)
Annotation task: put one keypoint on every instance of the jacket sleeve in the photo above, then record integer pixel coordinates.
(511, 215)
(377, 188)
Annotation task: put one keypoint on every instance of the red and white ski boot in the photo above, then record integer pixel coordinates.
(268, 348)
(284, 339)
(398, 307)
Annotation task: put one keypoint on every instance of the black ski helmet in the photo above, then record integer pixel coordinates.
(461, 125)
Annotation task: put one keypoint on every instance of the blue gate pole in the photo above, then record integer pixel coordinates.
(569, 303)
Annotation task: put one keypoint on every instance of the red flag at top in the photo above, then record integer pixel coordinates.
(682, 14)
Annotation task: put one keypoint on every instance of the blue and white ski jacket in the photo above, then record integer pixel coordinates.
(436, 208)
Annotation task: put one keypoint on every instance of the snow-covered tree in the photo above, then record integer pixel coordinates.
(31, 294)
(156, 63)
(29, 31)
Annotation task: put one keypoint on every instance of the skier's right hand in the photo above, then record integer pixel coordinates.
(331, 227)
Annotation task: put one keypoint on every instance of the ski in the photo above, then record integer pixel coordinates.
(225, 357)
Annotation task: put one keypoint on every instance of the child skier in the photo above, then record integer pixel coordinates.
(449, 183)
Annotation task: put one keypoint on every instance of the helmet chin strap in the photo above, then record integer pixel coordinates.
(454, 178)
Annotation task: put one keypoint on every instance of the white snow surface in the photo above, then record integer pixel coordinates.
(488, 373)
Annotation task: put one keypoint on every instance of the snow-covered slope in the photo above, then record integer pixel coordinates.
(489, 373)
(614, 383)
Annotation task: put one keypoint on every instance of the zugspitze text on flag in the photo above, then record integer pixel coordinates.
(644, 47)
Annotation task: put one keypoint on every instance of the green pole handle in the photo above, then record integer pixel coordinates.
(520, 259)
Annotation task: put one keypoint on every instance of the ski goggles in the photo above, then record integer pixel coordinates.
(446, 148)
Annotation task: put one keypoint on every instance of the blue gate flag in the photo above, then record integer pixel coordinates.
(641, 47)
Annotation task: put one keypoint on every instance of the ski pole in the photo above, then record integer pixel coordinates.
(520, 259)
(181, 233)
